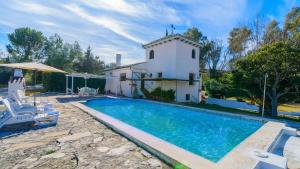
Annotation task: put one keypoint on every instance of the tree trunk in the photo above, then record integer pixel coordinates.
(274, 106)
(274, 102)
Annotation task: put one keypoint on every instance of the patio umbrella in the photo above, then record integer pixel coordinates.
(34, 66)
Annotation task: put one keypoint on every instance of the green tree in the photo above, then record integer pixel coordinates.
(292, 22)
(273, 33)
(213, 58)
(237, 40)
(89, 63)
(193, 34)
(280, 61)
(61, 55)
(57, 53)
(25, 44)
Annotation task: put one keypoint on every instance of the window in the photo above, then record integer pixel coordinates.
(187, 97)
(193, 54)
(122, 76)
(143, 75)
(159, 75)
(151, 54)
(191, 78)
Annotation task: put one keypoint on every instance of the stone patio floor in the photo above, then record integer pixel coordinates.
(77, 141)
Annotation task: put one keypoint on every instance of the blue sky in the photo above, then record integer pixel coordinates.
(121, 26)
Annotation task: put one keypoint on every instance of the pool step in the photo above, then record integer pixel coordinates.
(292, 152)
(268, 160)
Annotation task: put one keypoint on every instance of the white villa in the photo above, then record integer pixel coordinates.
(170, 63)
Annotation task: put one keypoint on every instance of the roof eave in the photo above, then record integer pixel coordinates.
(171, 37)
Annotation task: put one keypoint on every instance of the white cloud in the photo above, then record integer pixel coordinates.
(35, 8)
(132, 9)
(119, 26)
(48, 23)
(108, 23)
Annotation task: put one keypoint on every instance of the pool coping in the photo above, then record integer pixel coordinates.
(238, 157)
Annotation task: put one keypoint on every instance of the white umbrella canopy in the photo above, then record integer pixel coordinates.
(33, 66)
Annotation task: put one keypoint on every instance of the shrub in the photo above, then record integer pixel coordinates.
(164, 95)
(4, 77)
(215, 88)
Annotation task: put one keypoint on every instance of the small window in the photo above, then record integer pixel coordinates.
(187, 97)
(159, 75)
(193, 54)
(151, 54)
(122, 76)
(191, 78)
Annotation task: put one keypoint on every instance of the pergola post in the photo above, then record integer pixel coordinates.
(72, 85)
(176, 90)
(67, 84)
(200, 88)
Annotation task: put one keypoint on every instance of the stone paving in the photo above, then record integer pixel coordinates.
(77, 141)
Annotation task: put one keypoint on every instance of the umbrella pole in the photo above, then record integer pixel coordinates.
(34, 78)
(34, 99)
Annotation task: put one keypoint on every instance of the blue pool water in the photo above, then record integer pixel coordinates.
(207, 134)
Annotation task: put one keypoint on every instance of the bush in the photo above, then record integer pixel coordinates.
(215, 88)
(4, 77)
(164, 95)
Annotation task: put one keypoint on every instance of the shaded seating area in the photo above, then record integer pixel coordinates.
(82, 91)
(87, 91)
(21, 109)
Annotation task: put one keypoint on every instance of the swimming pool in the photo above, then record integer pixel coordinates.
(210, 135)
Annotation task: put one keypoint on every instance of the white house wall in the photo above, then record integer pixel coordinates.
(185, 65)
(114, 85)
(174, 60)
(164, 59)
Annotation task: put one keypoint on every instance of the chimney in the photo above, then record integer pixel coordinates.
(118, 60)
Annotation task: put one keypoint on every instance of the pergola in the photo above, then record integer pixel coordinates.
(80, 75)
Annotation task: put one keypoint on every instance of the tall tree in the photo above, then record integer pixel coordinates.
(25, 44)
(292, 22)
(89, 63)
(238, 40)
(281, 62)
(257, 32)
(273, 33)
(58, 53)
(193, 34)
(213, 57)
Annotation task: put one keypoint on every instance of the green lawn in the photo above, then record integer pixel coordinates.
(288, 107)
(236, 111)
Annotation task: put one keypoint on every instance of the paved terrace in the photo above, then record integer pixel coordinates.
(78, 141)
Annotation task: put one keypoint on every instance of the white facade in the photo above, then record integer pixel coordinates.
(175, 59)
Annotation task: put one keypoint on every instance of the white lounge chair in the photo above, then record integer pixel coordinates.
(13, 116)
(21, 99)
(20, 95)
(87, 91)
